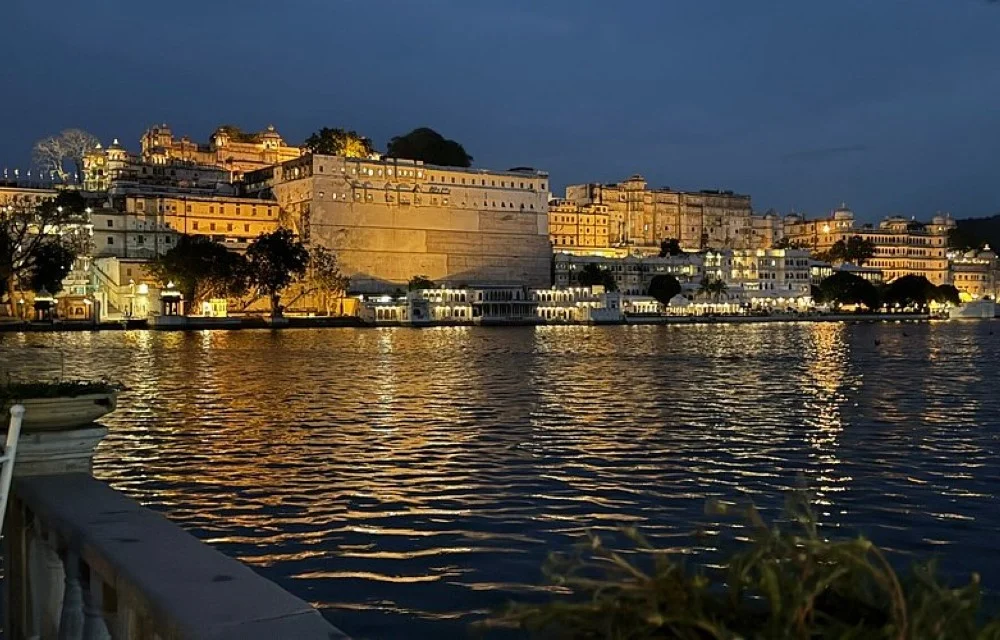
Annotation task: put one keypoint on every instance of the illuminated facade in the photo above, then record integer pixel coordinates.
(902, 247)
(150, 225)
(632, 274)
(974, 273)
(17, 196)
(643, 217)
(116, 168)
(236, 155)
(770, 272)
(578, 228)
(389, 220)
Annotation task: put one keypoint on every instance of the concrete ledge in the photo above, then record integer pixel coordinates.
(184, 587)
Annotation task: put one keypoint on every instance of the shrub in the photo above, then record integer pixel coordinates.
(787, 584)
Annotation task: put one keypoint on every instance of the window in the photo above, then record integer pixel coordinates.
(141, 239)
(321, 168)
(167, 239)
(111, 240)
(194, 225)
(229, 227)
(211, 209)
(246, 228)
(111, 223)
(187, 209)
(212, 227)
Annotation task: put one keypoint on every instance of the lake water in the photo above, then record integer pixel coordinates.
(405, 481)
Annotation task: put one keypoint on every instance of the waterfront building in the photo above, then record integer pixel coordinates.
(640, 216)
(150, 224)
(578, 305)
(579, 228)
(115, 168)
(632, 273)
(124, 288)
(235, 152)
(902, 247)
(389, 220)
(974, 273)
(820, 271)
(759, 275)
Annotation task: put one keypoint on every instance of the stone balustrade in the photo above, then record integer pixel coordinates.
(83, 561)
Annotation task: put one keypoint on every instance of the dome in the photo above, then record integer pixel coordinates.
(843, 212)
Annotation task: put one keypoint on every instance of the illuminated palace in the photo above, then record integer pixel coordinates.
(228, 149)
(389, 219)
(902, 247)
(578, 227)
(642, 217)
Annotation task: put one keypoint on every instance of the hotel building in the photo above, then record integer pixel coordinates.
(642, 217)
(148, 225)
(576, 228)
(391, 219)
(974, 273)
(902, 247)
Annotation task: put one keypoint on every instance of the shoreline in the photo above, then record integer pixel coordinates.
(324, 322)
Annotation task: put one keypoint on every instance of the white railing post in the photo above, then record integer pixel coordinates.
(47, 582)
(71, 620)
(7, 459)
(94, 625)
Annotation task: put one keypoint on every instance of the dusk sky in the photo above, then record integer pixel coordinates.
(890, 105)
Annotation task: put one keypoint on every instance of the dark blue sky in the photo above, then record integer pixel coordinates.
(890, 105)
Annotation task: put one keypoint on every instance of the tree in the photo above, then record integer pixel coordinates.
(237, 134)
(909, 290)
(593, 274)
(670, 247)
(855, 250)
(663, 288)
(947, 294)
(713, 287)
(201, 269)
(418, 283)
(429, 146)
(816, 294)
(274, 260)
(324, 275)
(26, 234)
(52, 264)
(338, 142)
(844, 287)
(52, 153)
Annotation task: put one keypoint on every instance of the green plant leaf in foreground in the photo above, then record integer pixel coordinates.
(787, 583)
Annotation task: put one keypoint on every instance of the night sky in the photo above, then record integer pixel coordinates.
(890, 105)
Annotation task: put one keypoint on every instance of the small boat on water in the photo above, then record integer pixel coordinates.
(976, 310)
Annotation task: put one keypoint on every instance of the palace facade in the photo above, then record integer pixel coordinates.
(389, 220)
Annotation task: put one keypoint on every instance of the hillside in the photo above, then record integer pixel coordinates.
(975, 232)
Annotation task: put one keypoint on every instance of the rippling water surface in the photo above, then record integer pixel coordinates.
(405, 481)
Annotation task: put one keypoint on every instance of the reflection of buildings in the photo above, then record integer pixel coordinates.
(390, 220)
(640, 216)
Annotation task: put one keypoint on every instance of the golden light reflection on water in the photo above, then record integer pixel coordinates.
(407, 479)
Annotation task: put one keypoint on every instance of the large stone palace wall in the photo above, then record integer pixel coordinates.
(387, 227)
